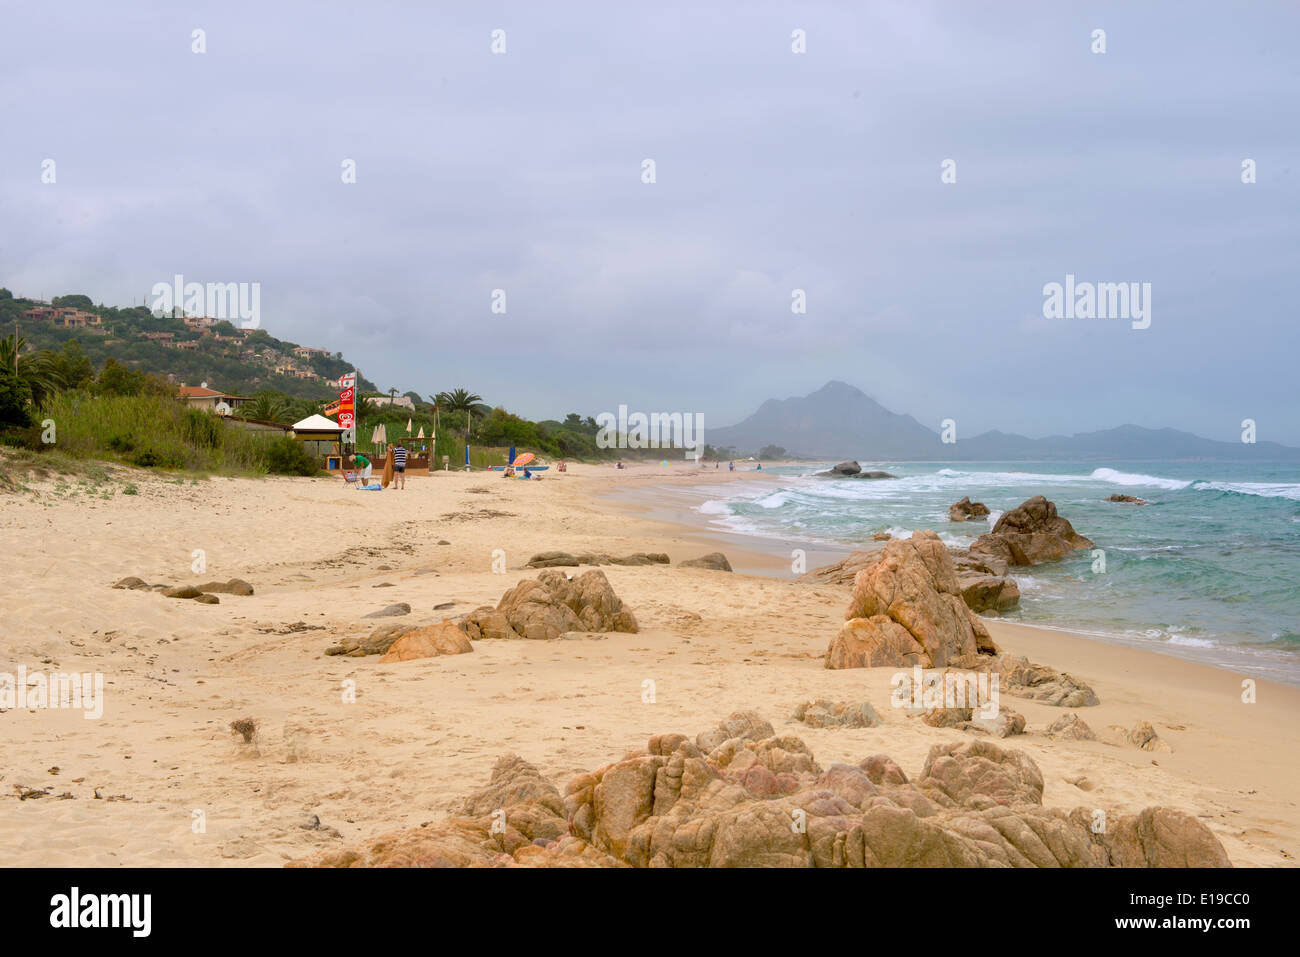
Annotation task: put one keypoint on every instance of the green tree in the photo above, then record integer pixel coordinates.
(76, 301)
(269, 406)
(37, 371)
(14, 398)
(117, 379)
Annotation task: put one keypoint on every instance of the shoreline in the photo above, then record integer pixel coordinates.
(422, 734)
(766, 554)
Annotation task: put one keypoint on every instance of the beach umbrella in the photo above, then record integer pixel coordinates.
(524, 459)
(408, 426)
(421, 435)
(374, 435)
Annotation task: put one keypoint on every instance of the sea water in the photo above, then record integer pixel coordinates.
(1210, 570)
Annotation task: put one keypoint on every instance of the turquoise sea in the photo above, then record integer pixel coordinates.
(1210, 570)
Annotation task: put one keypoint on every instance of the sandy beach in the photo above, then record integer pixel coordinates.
(161, 779)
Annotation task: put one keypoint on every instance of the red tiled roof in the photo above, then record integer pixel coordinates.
(196, 392)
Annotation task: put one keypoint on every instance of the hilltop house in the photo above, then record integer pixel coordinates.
(401, 401)
(210, 400)
(68, 318)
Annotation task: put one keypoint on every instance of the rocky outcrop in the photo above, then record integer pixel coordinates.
(236, 586)
(431, 641)
(404, 641)
(853, 470)
(550, 605)
(204, 594)
(714, 560)
(562, 559)
(1141, 735)
(1030, 533)
(821, 713)
(182, 591)
(391, 611)
(756, 799)
(1022, 678)
(1071, 727)
(965, 510)
(907, 609)
(988, 593)
(1128, 499)
(881, 536)
(981, 579)
(844, 571)
(517, 820)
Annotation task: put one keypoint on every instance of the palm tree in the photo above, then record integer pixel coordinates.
(38, 370)
(459, 400)
(269, 407)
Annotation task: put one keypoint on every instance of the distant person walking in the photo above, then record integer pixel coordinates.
(399, 465)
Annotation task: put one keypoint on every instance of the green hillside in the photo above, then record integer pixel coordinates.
(220, 357)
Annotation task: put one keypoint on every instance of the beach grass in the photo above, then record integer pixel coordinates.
(150, 432)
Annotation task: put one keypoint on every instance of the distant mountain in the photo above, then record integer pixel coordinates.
(839, 421)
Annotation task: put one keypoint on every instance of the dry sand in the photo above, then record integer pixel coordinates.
(421, 734)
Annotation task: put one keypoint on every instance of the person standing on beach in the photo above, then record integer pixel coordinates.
(364, 464)
(399, 465)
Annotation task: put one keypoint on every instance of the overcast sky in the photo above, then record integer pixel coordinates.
(775, 171)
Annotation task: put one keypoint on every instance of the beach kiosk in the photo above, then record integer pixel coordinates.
(323, 439)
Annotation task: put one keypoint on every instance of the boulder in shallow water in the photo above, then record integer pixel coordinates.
(1128, 499)
(965, 510)
(984, 593)
(1030, 533)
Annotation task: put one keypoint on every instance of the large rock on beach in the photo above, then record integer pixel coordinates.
(391, 611)
(431, 641)
(550, 605)
(236, 586)
(714, 560)
(907, 609)
(1030, 533)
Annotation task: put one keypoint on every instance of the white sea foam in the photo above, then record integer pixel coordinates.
(1261, 489)
(1128, 478)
